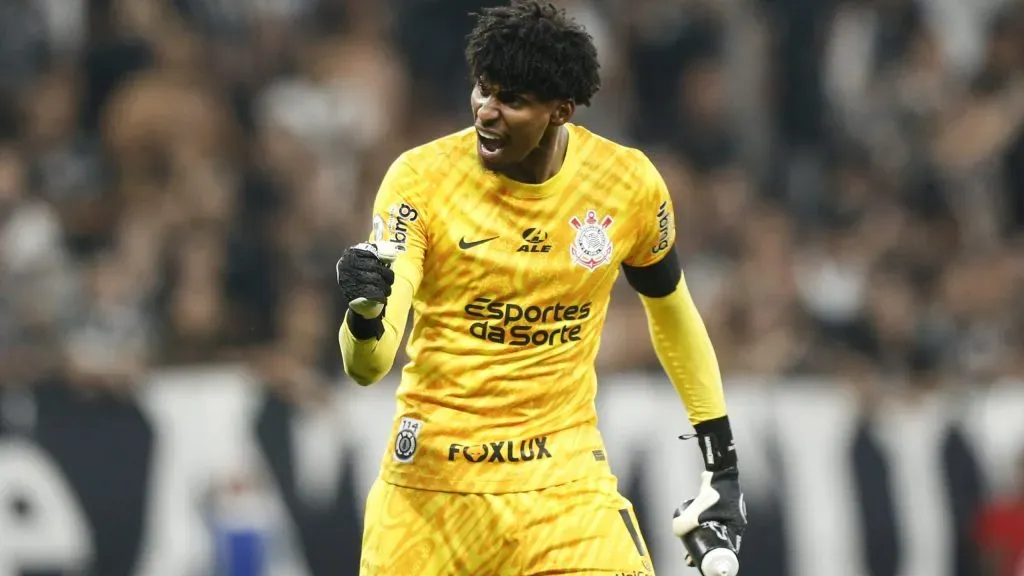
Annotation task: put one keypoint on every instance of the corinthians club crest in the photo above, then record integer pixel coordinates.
(592, 246)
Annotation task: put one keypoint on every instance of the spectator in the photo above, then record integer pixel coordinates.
(108, 341)
(194, 168)
(34, 285)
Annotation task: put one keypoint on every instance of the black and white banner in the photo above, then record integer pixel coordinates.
(139, 487)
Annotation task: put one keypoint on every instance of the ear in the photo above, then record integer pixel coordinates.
(563, 112)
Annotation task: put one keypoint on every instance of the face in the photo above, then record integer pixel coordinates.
(511, 126)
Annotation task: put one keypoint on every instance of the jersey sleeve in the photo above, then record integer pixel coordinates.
(399, 216)
(656, 231)
(684, 350)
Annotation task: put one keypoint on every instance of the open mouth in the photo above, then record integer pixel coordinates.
(489, 144)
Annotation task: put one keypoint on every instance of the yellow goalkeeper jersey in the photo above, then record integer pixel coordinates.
(509, 284)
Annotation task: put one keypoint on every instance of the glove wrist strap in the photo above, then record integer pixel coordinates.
(716, 443)
(365, 328)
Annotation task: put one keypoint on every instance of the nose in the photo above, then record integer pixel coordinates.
(486, 110)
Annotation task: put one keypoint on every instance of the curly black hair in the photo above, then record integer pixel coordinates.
(534, 47)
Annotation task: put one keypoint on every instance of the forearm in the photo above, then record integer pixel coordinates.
(369, 347)
(685, 351)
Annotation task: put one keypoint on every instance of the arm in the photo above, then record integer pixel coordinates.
(677, 332)
(369, 346)
(680, 339)
(684, 349)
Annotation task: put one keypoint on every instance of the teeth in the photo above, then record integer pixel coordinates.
(488, 136)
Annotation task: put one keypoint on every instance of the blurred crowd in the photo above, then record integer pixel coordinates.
(178, 177)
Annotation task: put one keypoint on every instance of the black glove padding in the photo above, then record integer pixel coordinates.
(362, 275)
(720, 500)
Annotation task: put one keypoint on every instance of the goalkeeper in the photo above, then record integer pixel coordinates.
(505, 240)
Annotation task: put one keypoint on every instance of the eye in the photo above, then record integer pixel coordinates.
(484, 90)
(510, 98)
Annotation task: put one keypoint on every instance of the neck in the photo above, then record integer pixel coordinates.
(546, 159)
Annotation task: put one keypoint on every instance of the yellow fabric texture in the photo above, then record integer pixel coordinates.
(509, 284)
(684, 349)
(581, 528)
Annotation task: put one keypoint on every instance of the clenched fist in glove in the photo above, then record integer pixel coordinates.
(720, 499)
(365, 279)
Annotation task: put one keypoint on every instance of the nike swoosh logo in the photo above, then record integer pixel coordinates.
(467, 245)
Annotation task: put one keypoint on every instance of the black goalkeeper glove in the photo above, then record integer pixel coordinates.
(365, 280)
(720, 498)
